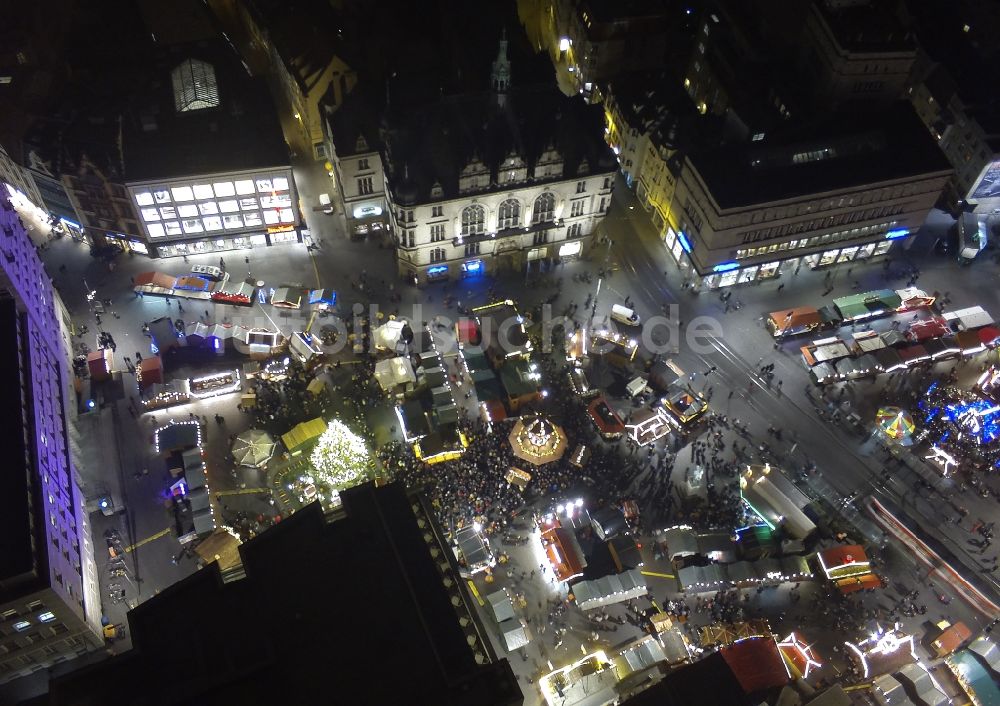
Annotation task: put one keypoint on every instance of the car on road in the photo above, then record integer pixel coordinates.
(624, 315)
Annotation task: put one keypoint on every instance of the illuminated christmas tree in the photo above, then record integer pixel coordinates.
(340, 457)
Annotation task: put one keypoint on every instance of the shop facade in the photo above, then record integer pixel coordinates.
(215, 213)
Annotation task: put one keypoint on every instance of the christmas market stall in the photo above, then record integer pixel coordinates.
(607, 421)
(885, 650)
(222, 383)
(537, 440)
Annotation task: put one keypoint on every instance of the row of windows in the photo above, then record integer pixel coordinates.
(220, 189)
(754, 236)
(225, 222)
(815, 240)
(211, 208)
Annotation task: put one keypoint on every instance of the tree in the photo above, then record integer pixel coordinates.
(340, 458)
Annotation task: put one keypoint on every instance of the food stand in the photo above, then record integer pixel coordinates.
(515, 476)
(216, 384)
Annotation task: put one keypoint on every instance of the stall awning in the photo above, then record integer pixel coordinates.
(989, 335)
(302, 434)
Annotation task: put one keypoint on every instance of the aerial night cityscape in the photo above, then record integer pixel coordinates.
(500, 352)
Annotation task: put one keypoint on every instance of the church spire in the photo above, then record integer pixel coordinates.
(501, 70)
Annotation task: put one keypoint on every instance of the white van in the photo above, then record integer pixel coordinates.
(324, 201)
(624, 315)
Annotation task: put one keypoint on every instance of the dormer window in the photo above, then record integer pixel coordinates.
(436, 190)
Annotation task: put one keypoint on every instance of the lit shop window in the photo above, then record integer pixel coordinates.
(286, 216)
(224, 188)
(275, 201)
(229, 206)
(233, 222)
(248, 204)
(193, 226)
(203, 191)
(161, 196)
(264, 185)
(271, 216)
(280, 184)
(155, 230)
(252, 219)
(168, 212)
(244, 187)
(212, 223)
(188, 210)
(208, 208)
(182, 193)
(173, 227)
(144, 198)
(150, 214)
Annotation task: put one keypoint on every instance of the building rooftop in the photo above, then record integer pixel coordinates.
(432, 145)
(346, 611)
(199, 112)
(21, 568)
(836, 151)
(655, 103)
(866, 26)
(354, 126)
(306, 34)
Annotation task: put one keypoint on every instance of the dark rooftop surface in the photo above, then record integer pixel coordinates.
(434, 144)
(17, 559)
(868, 27)
(351, 611)
(971, 57)
(357, 117)
(866, 148)
(306, 34)
(612, 10)
(655, 102)
(707, 682)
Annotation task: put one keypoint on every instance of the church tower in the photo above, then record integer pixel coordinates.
(501, 71)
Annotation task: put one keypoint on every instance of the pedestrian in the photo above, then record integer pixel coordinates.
(781, 286)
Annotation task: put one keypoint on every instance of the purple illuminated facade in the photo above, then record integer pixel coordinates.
(49, 598)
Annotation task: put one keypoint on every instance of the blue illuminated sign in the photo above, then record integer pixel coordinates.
(216, 343)
(726, 266)
(438, 270)
(473, 266)
(897, 233)
(685, 243)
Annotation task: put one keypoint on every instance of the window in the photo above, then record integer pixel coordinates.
(509, 214)
(229, 206)
(407, 215)
(144, 198)
(365, 185)
(437, 233)
(244, 187)
(437, 211)
(193, 226)
(224, 188)
(168, 212)
(540, 238)
(607, 183)
(280, 184)
(47, 617)
(473, 220)
(264, 185)
(603, 205)
(232, 222)
(150, 214)
(155, 230)
(544, 208)
(363, 164)
(577, 208)
(581, 186)
(188, 210)
(208, 208)
(246, 204)
(203, 191)
(471, 249)
(22, 625)
(182, 193)
(174, 227)
(195, 87)
(574, 230)
(437, 255)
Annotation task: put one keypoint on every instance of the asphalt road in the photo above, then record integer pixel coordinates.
(646, 270)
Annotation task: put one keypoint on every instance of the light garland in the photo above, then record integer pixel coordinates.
(340, 458)
(172, 423)
(233, 386)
